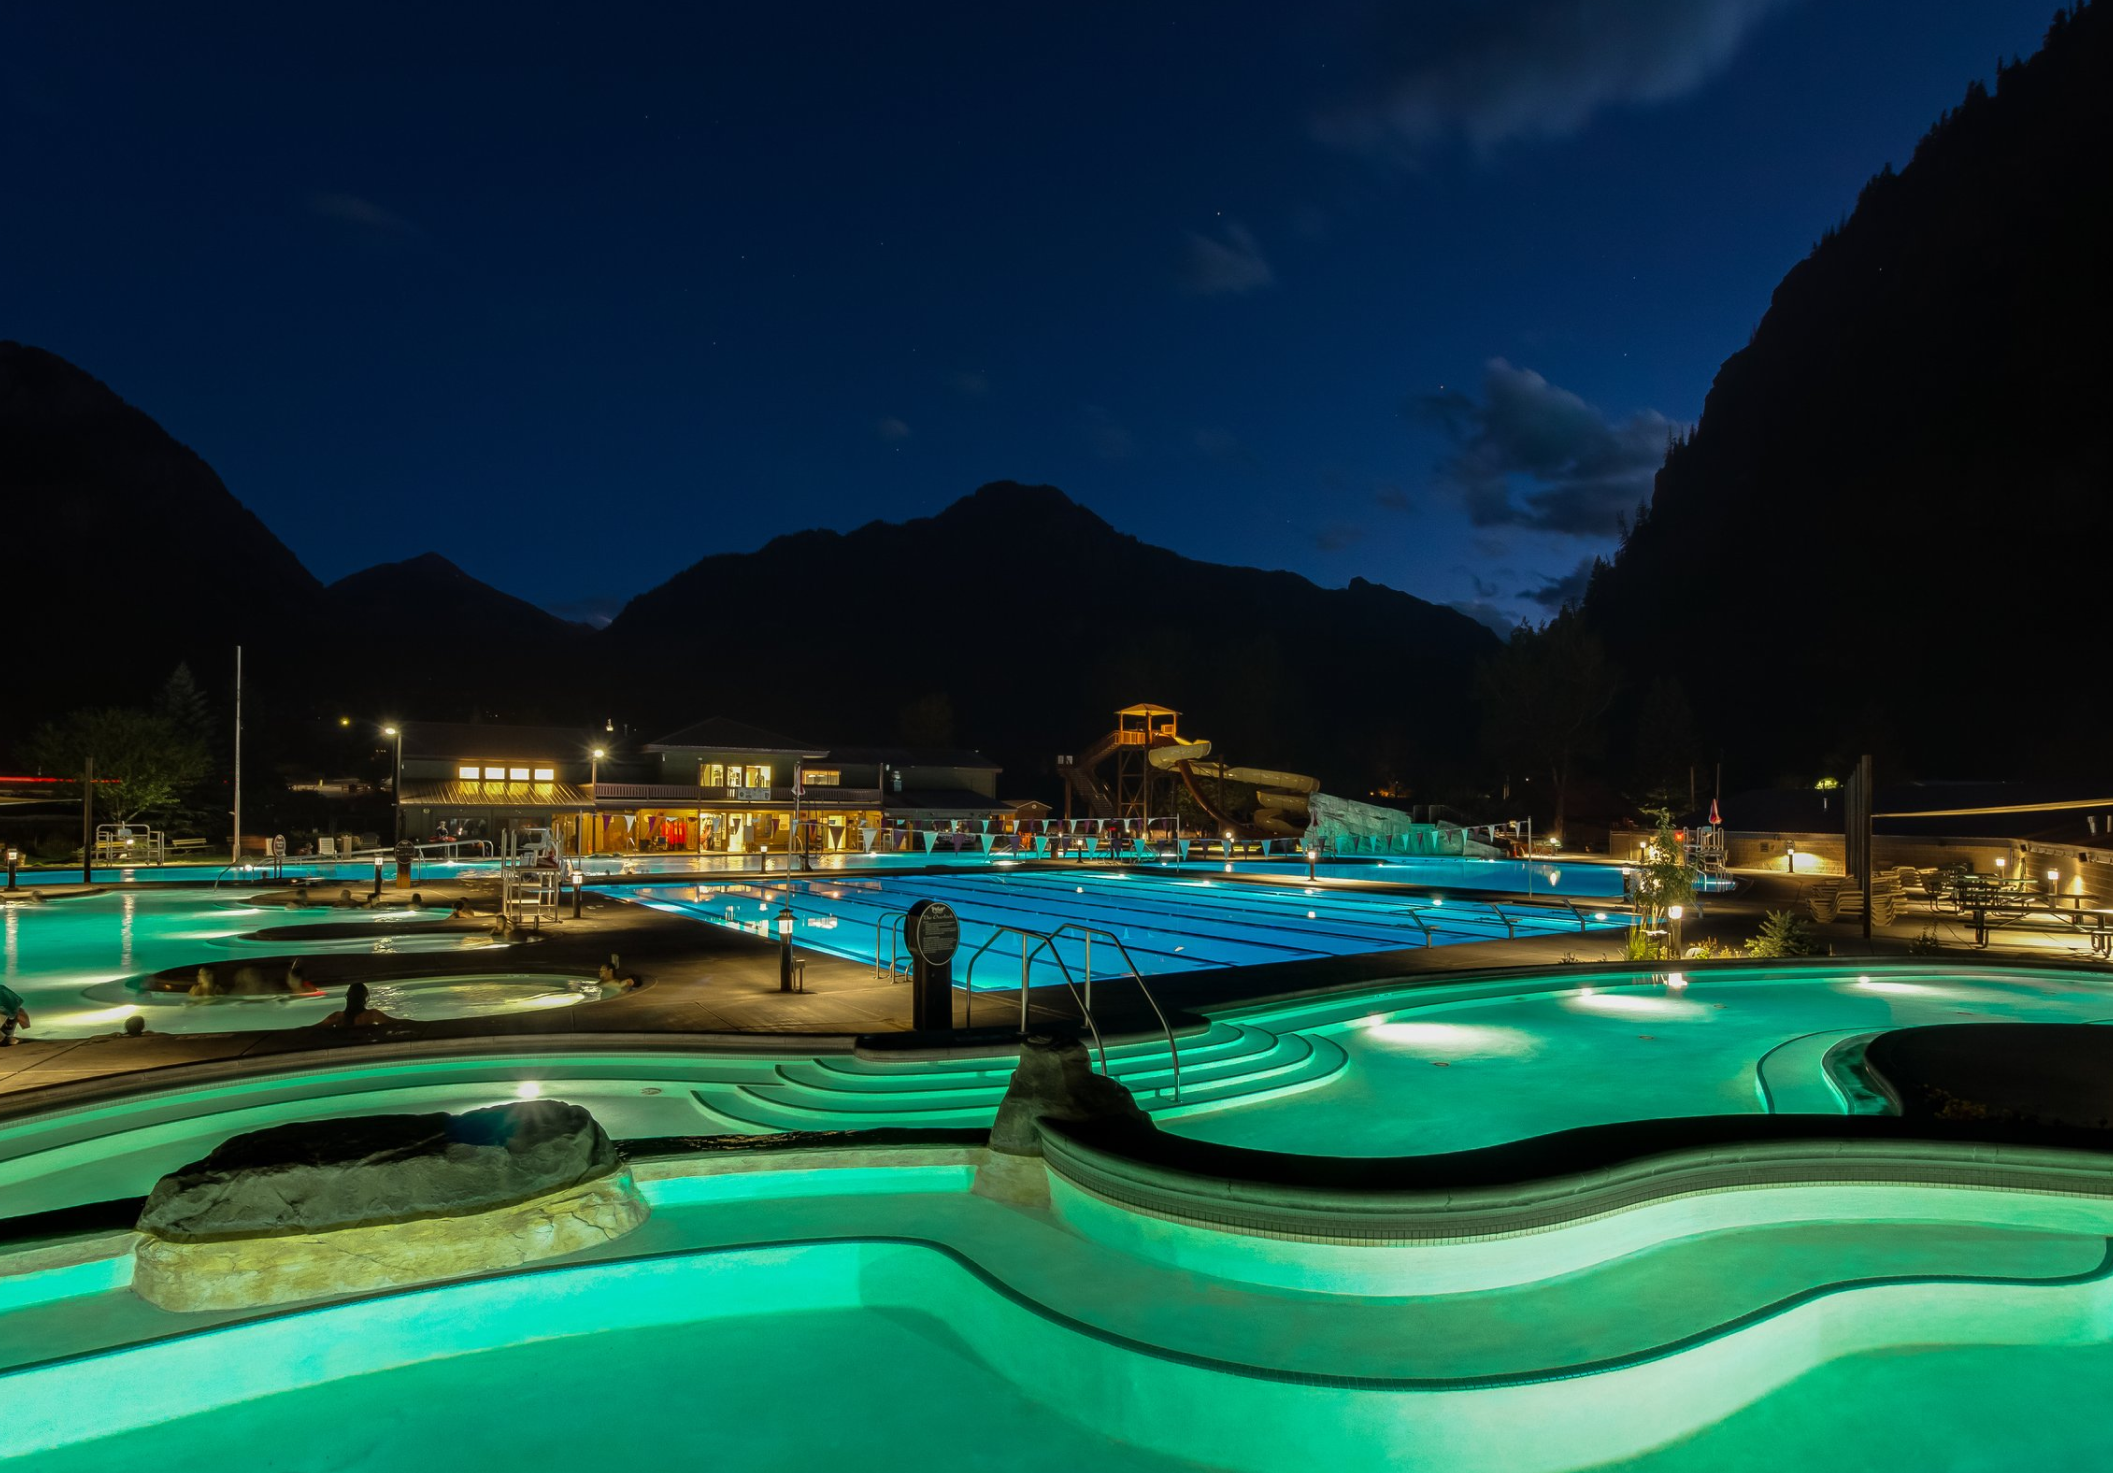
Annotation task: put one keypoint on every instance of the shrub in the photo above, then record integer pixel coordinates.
(1783, 933)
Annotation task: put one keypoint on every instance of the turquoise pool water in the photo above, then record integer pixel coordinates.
(889, 1317)
(1414, 1071)
(1167, 921)
(73, 961)
(1515, 876)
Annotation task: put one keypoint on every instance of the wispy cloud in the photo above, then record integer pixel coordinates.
(1230, 264)
(891, 429)
(351, 209)
(1501, 70)
(1529, 454)
(970, 383)
(1567, 589)
(1338, 537)
(1488, 615)
(595, 611)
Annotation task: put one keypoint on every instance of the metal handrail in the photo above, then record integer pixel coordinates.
(897, 923)
(1089, 932)
(1041, 940)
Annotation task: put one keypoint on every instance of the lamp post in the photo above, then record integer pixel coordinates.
(785, 923)
(14, 858)
(594, 777)
(396, 785)
(1673, 914)
(1790, 857)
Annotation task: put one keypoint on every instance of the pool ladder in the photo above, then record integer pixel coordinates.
(1047, 941)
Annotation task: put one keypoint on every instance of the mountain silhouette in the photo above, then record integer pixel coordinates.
(1015, 621)
(1887, 531)
(126, 554)
(1034, 619)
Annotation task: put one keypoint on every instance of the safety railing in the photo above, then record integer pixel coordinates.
(891, 928)
(1042, 942)
(1079, 928)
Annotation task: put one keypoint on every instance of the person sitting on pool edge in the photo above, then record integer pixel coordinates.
(13, 1015)
(355, 1013)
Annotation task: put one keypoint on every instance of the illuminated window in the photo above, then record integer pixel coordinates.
(712, 775)
(823, 778)
(495, 774)
(518, 774)
(545, 774)
(759, 777)
(467, 774)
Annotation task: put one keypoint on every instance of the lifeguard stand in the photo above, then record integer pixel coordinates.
(1138, 729)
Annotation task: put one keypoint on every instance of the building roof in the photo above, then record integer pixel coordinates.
(718, 733)
(423, 739)
(944, 802)
(532, 797)
(914, 757)
(1146, 708)
(2053, 812)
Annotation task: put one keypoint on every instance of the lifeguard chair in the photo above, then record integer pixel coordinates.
(1138, 729)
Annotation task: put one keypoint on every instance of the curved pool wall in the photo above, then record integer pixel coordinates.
(1355, 1074)
(782, 1307)
(1167, 921)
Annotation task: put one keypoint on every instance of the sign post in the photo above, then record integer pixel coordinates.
(934, 934)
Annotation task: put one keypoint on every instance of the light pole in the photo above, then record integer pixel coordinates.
(396, 784)
(594, 776)
(785, 923)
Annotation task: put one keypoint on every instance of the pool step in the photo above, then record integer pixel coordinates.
(1221, 1043)
(810, 1095)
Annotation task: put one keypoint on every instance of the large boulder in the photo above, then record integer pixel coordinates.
(1055, 1081)
(320, 1175)
(333, 1206)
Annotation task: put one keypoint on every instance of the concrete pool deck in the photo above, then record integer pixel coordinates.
(704, 980)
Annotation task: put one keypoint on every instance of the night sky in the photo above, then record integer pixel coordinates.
(1411, 292)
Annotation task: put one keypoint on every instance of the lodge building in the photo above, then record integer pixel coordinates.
(718, 787)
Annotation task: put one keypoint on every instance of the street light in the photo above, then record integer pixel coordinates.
(1790, 856)
(396, 786)
(594, 776)
(785, 924)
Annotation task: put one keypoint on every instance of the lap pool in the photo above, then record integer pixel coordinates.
(1167, 922)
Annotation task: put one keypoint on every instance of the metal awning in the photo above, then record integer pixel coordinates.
(536, 797)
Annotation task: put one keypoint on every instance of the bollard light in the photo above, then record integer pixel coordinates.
(785, 924)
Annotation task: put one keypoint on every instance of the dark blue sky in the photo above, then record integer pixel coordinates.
(1403, 291)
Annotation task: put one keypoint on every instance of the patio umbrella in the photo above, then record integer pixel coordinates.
(1714, 821)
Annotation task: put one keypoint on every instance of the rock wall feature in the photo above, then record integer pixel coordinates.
(1055, 1081)
(339, 1206)
(1346, 826)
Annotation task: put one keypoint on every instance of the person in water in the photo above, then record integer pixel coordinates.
(356, 1013)
(13, 1015)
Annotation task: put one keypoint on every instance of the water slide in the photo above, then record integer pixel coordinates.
(1280, 797)
(1082, 774)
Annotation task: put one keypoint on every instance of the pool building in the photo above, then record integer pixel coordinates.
(716, 787)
